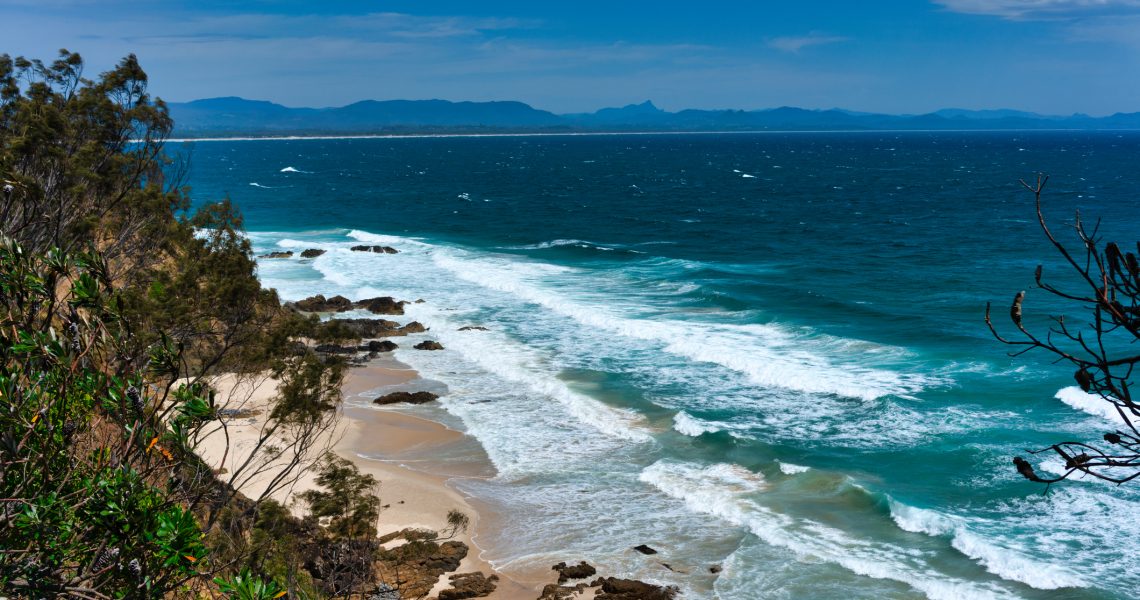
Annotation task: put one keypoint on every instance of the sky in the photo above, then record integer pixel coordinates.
(891, 56)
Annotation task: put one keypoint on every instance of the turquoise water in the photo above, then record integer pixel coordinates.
(760, 351)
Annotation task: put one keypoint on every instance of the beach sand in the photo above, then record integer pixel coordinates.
(376, 441)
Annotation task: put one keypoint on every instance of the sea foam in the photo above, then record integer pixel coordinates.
(1003, 562)
(729, 492)
(1092, 404)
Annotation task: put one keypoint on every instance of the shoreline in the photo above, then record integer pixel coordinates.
(377, 441)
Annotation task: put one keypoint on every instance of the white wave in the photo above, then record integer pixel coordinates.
(1091, 404)
(747, 176)
(560, 243)
(689, 425)
(258, 185)
(291, 170)
(789, 469)
(1003, 562)
(729, 492)
(375, 238)
(507, 360)
(768, 354)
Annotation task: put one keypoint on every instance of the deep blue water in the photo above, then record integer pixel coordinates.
(764, 351)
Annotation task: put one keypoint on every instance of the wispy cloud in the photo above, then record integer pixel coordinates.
(796, 43)
(1042, 9)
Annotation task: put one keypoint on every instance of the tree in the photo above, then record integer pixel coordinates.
(1102, 350)
(117, 309)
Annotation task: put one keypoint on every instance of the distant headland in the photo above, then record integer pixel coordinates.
(233, 116)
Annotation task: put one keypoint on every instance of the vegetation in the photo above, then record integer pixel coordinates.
(1102, 350)
(118, 308)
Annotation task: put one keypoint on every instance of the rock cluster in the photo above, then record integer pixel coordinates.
(312, 253)
(581, 570)
(414, 567)
(629, 589)
(469, 585)
(376, 249)
(428, 345)
(383, 305)
(287, 254)
(408, 397)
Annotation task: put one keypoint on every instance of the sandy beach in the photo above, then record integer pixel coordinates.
(375, 440)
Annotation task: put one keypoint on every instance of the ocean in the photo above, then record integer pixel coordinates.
(763, 353)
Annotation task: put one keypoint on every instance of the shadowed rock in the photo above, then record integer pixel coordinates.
(379, 346)
(312, 253)
(375, 249)
(629, 589)
(370, 328)
(384, 305)
(428, 345)
(469, 585)
(320, 304)
(581, 570)
(473, 328)
(406, 397)
(645, 549)
(287, 254)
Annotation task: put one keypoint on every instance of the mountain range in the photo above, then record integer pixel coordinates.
(232, 116)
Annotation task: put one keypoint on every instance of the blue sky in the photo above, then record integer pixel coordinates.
(913, 56)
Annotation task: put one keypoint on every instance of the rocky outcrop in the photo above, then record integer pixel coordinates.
(469, 585)
(376, 249)
(312, 253)
(473, 328)
(629, 589)
(287, 254)
(378, 346)
(406, 397)
(581, 570)
(561, 592)
(319, 304)
(369, 328)
(414, 568)
(413, 327)
(384, 305)
(428, 345)
(645, 549)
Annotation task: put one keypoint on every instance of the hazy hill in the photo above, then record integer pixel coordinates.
(237, 116)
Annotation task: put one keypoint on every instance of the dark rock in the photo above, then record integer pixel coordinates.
(312, 253)
(385, 305)
(376, 249)
(379, 346)
(287, 254)
(413, 327)
(428, 345)
(715, 569)
(408, 397)
(629, 589)
(319, 303)
(554, 591)
(415, 567)
(581, 570)
(370, 328)
(420, 301)
(645, 549)
(469, 585)
(473, 328)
